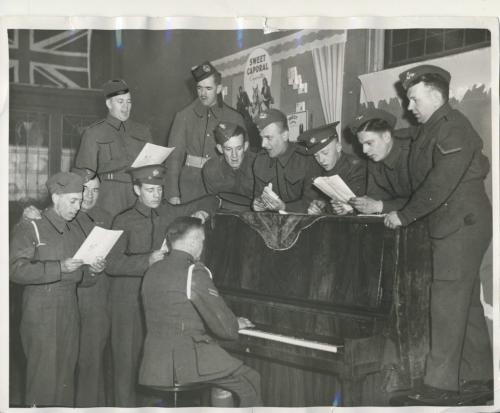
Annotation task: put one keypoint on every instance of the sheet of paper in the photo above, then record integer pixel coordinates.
(152, 154)
(335, 187)
(97, 244)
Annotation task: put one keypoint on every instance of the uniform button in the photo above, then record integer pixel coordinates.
(208, 134)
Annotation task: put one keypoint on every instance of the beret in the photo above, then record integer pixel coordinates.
(203, 71)
(114, 87)
(149, 174)
(410, 77)
(372, 114)
(86, 174)
(225, 131)
(271, 116)
(65, 183)
(317, 138)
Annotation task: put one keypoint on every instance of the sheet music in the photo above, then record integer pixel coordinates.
(152, 154)
(335, 187)
(97, 244)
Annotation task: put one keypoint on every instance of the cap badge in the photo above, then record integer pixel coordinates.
(222, 126)
(263, 115)
(313, 140)
(155, 172)
(359, 117)
(206, 68)
(410, 75)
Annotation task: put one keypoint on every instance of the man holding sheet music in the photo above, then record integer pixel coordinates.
(388, 183)
(109, 147)
(283, 171)
(323, 143)
(41, 259)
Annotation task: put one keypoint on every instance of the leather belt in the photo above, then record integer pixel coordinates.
(195, 161)
(115, 176)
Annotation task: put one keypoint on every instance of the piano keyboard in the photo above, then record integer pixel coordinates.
(294, 341)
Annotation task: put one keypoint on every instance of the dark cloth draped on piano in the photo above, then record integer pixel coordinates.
(279, 232)
(347, 282)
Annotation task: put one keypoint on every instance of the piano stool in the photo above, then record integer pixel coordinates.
(200, 388)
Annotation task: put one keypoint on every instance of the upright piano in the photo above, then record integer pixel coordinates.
(340, 304)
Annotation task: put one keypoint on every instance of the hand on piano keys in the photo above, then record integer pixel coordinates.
(244, 323)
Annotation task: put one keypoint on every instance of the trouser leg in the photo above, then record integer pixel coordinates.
(245, 384)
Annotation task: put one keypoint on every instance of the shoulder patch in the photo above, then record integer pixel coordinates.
(445, 151)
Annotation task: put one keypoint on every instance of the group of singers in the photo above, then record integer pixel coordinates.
(156, 303)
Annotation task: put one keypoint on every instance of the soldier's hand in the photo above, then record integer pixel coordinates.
(203, 215)
(32, 212)
(258, 205)
(272, 203)
(392, 220)
(244, 323)
(156, 256)
(70, 265)
(339, 208)
(367, 205)
(175, 200)
(316, 207)
(98, 266)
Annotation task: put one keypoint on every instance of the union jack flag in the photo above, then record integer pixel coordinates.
(50, 57)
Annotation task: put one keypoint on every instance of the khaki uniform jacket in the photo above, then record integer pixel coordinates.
(447, 169)
(291, 175)
(192, 133)
(184, 317)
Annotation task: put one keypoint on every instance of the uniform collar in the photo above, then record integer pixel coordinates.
(55, 220)
(115, 123)
(391, 159)
(440, 113)
(182, 255)
(284, 158)
(145, 210)
(201, 110)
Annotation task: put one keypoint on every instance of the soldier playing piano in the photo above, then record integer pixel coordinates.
(184, 314)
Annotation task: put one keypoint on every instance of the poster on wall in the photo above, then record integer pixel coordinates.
(257, 81)
(297, 124)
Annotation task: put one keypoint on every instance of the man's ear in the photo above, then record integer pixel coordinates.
(55, 198)
(108, 103)
(219, 148)
(245, 146)
(285, 135)
(137, 189)
(218, 89)
(338, 147)
(387, 136)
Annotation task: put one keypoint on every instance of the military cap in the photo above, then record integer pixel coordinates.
(270, 116)
(86, 174)
(410, 77)
(225, 131)
(114, 87)
(65, 183)
(372, 114)
(203, 71)
(317, 138)
(149, 174)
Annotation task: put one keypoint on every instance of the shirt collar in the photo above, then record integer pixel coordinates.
(57, 222)
(182, 255)
(145, 210)
(201, 110)
(437, 115)
(392, 158)
(284, 158)
(115, 123)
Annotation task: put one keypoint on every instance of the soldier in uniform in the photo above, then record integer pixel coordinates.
(184, 317)
(283, 172)
(111, 145)
(323, 143)
(137, 249)
(142, 244)
(232, 171)
(192, 135)
(388, 183)
(40, 259)
(93, 294)
(447, 169)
